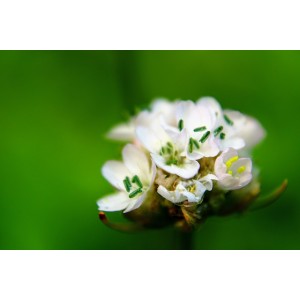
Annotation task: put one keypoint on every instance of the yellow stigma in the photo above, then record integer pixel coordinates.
(241, 169)
(192, 188)
(230, 172)
(231, 161)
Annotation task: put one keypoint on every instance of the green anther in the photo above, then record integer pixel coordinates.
(127, 184)
(162, 151)
(196, 144)
(169, 150)
(169, 145)
(218, 130)
(200, 129)
(222, 136)
(204, 137)
(136, 180)
(191, 145)
(134, 193)
(228, 121)
(180, 124)
(172, 162)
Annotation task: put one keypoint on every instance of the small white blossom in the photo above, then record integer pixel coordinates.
(190, 190)
(167, 150)
(232, 128)
(199, 124)
(246, 128)
(233, 172)
(133, 178)
(223, 128)
(160, 108)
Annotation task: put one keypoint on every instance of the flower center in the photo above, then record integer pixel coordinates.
(191, 188)
(171, 155)
(229, 163)
(134, 186)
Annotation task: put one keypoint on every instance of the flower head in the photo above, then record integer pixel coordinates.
(184, 159)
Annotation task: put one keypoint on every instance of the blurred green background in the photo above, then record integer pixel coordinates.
(56, 107)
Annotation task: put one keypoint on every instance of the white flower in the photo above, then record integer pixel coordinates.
(123, 132)
(190, 190)
(224, 129)
(160, 108)
(168, 150)
(232, 128)
(233, 172)
(133, 178)
(246, 127)
(199, 124)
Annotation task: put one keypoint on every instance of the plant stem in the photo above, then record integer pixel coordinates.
(185, 240)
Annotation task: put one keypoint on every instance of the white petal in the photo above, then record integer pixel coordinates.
(190, 196)
(245, 179)
(149, 139)
(165, 193)
(166, 109)
(115, 172)
(135, 203)
(228, 182)
(232, 142)
(137, 162)
(122, 132)
(200, 190)
(220, 167)
(173, 196)
(188, 170)
(179, 139)
(247, 128)
(207, 181)
(114, 202)
(193, 116)
(242, 162)
(213, 106)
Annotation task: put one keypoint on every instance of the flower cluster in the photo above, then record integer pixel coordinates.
(183, 161)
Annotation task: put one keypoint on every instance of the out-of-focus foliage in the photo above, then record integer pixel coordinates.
(56, 106)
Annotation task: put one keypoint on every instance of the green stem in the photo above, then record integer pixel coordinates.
(185, 240)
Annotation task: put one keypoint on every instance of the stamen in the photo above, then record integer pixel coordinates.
(204, 137)
(162, 151)
(230, 172)
(136, 180)
(169, 145)
(134, 193)
(196, 144)
(218, 130)
(222, 136)
(241, 169)
(127, 184)
(200, 129)
(228, 121)
(172, 161)
(191, 145)
(180, 124)
(231, 161)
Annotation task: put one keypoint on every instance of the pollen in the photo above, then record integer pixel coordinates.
(241, 169)
(191, 188)
(231, 161)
